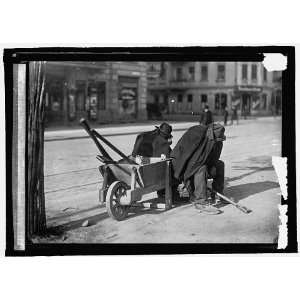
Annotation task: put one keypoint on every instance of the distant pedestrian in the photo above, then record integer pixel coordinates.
(234, 114)
(206, 116)
(225, 115)
(273, 110)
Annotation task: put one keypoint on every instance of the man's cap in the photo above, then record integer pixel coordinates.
(219, 131)
(165, 129)
(216, 132)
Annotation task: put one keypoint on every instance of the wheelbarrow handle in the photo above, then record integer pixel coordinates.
(90, 132)
(114, 148)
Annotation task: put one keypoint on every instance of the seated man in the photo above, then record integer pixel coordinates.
(196, 158)
(154, 143)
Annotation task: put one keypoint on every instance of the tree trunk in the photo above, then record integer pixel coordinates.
(36, 216)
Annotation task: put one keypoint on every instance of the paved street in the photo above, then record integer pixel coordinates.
(72, 181)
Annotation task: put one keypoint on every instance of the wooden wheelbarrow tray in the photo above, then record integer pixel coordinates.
(126, 181)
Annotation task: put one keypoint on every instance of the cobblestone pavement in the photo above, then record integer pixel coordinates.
(72, 181)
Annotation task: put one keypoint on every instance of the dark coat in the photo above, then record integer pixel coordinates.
(206, 118)
(197, 147)
(151, 144)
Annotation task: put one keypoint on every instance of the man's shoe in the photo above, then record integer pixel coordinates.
(209, 210)
(204, 207)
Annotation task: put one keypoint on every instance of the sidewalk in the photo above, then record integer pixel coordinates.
(122, 129)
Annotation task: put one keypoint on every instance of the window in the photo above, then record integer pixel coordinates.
(179, 98)
(101, 95)
(254, 72)
(204, 72)
(217, 101)
(244, 72)
(223, 101)
(166, 103)
(179, 74)
(264, 101)
(162, 73)
(276, 76)
(179, 102)
(265, 74)
(166, 99)
(190, 102)
(191, 73)
(221, 73)
(220, 101)
(156, 99)
(203, 98)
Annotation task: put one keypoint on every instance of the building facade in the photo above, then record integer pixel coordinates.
(101, 92)
(185, 87)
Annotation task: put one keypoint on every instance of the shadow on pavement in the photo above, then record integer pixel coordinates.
(253, 165)
(245, 190)
(239, 192)
(93, 220)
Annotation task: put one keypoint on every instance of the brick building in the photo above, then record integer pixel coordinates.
(185, 87)
(98, 91)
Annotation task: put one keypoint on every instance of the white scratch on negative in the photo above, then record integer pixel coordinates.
(283, 232)
(275, 62)
(280, 166)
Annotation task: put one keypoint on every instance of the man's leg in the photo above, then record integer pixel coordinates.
(217, 173)
(200, 184)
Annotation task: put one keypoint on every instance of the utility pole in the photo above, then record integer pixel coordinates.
(36, 216)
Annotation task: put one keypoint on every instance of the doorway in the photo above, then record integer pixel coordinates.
(246, 105)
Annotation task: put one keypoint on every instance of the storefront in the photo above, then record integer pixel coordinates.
(99, 92)
(247, 99)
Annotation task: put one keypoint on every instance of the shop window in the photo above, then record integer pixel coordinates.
(92, 101)
(191, 73)
(265, 75)
(204, 73)
(55, 95)
(190, 102)
(255, 102)
(221, 73)
(128, 95)
(80, 95)
(101, 95)
(254, 72)
(244, 72)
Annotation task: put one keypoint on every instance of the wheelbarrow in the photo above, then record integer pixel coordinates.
(127, 180)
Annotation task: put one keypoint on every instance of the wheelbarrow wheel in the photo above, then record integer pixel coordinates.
(115, 210)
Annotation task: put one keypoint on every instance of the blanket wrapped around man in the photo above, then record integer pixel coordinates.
(198, 146)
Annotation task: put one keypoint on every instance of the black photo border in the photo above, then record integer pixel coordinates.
(222, 53)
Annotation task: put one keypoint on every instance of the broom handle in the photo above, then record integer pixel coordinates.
(241, 208)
